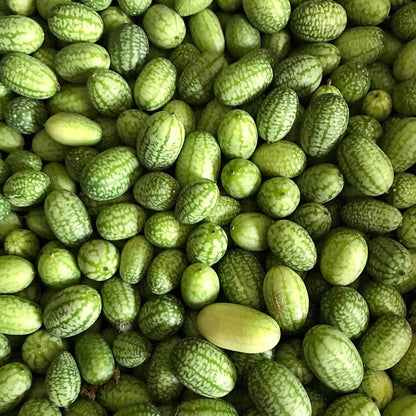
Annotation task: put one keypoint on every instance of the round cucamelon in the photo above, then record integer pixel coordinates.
(131, 349)
(205, 407)
(353, 405)
(378, 386)
(34, 406)
(16, 273)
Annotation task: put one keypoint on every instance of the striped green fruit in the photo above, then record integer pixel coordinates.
(155, 85)
(398, 144)
(362, 13)
(318, 21)
(111, 173)
(402, 22)
(403, 406)
(98, 259)
(403, 98)
(77, 158)
(274, 390)
(197, 79)
(249, 230)
(121, 303)
(378, 386)
(206, 407)
(277, 114)
(94, 358)
(128, 391)
(224, 211)
(292, 245)
(76, 62)
(269, 16)
(365, 126)
(67, 217)
(128, 47)
(16, 273)
(361, 44)
(241, 37)
(195, 201)
(23, 243)
(86, 407)
(40, 348)
(134, 7)
(203, 368)
(381, 77)
(143, 409)
(135, 258)
(20, 34)
(5, 350)
(389, 262)
(72, 311)
(406, 231)
(200, 157)
(206, 31)
(385, 343)
(165, 231)
(131, 349)
(365, 166)
(15, 382)
(63, 381)
(183, 55)
(402, 71)
(39, 407)
(109, 92)
(353, 80)
(161, 316)
(230, 87)
(343, 256)
(404, 370)
(26, 188)
(206, 244)
(128, 124)
(302, 73)
(286, 298)
(161, 141)
(371, 215)
(75, 22)
(189, 7)
(184, 113)
(211, 116)
(378, 104)
(20, 317)
(318, 138)
(345, 309)
(333, 358)
(163, 385)
(46, 54)
(28, 76)
(164, 27)
(353, 405)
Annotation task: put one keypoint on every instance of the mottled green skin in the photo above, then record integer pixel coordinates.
(314, 218)
(183, 55)
(25, 115)
(404, 370)
(131, 349)
(402, 67)
(371, 215)
(155, 85)
(83, 407)
(288, 397)
(40, 348)
(333, 358)
(318, 21)
(206, 244)
(63, 380)
(364, 13)
(58, 268)
(403, 406)
(230, 87)
(121, 302)
(189, 7)
(378, 386)
(15, 381)
(283, 158)
(360, 44)
(129, 123)
(200, 157)
(203, 368)
(77, 158)
(353, 80)
(353, 405)
(134, 8)
(74, 22)
(277, 114)
(5, 350)
(206, 407)
(302, 73)
(385, 343)
(286, 298)
(128, 391)
(21, 160)
(196, 83)
(144, 409)
(211, 116)
(28, 76)
(345, 309)
(403, 97)
(161, 316)
(94, 358)
(16, 273)
(111, 173)
(46, 54)
(20, 317)
(224, 211)
(128, 47)
(241, 37)
(77, 61)
(26, 188)
(406, 232)
(402, 22)
(67, 218)
(120, 221)
(206, 31)
(41, 407)
(365, 126)
(292, 245)
(60, 179)
(160, 142)
(165, 231)
(72, 311)
(36, 222)
(290, 354)
(324, 123)
(23, 243)
(389, 262)
(268, 16)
